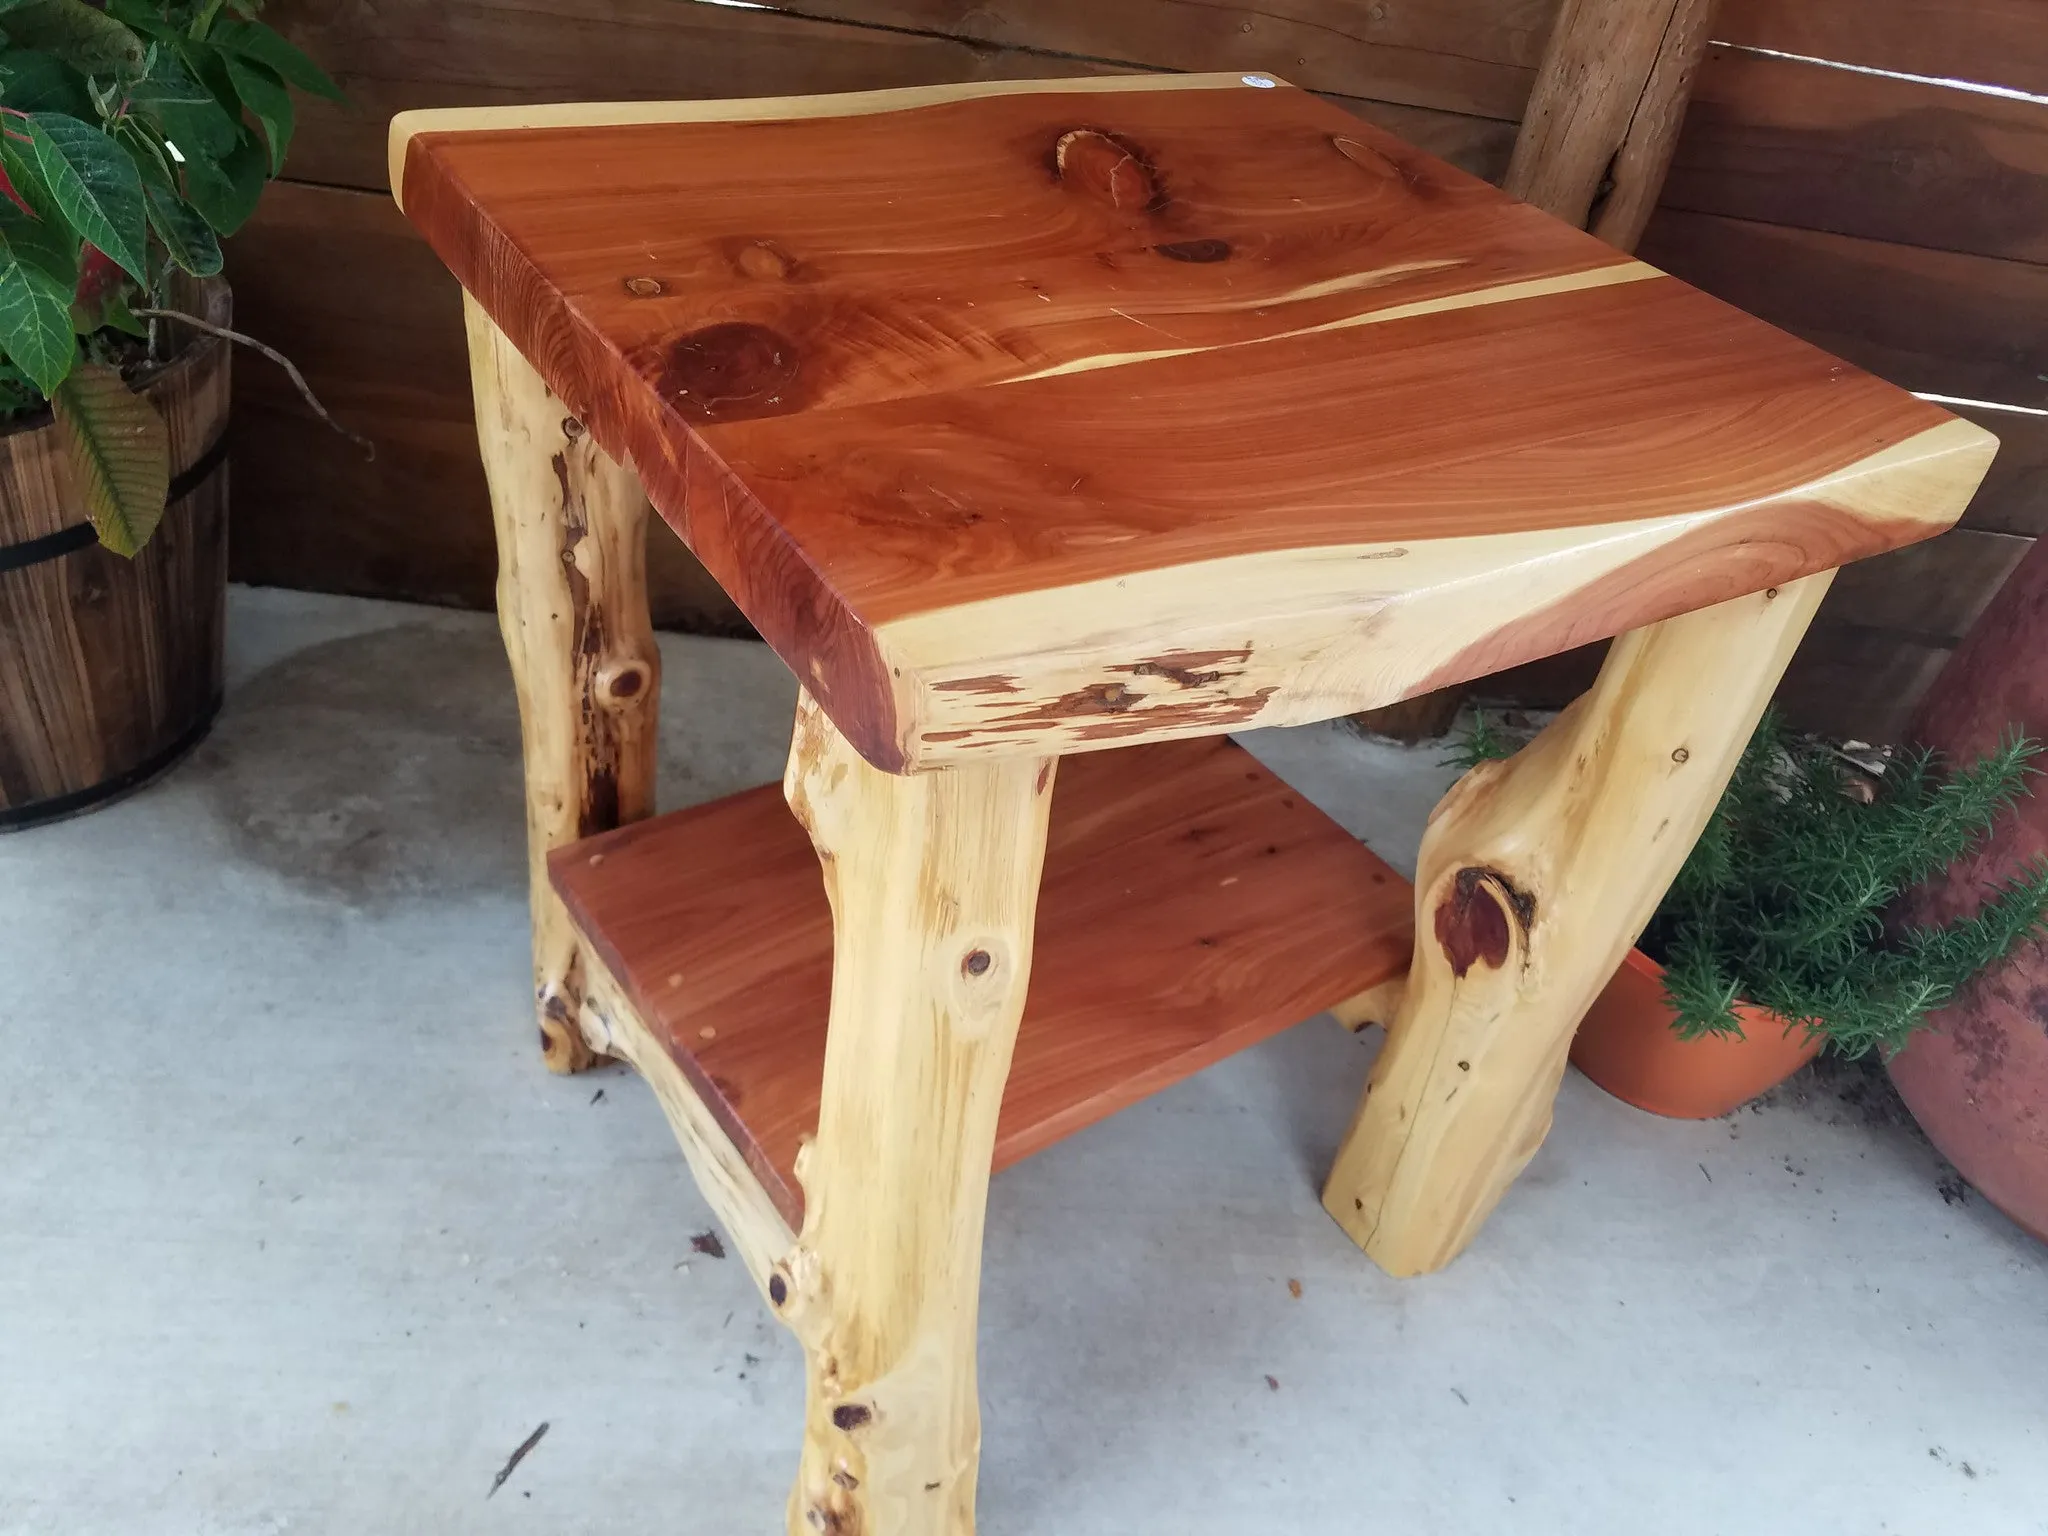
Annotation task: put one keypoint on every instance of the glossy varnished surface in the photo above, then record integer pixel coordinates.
(836, 261)
(1056, 415)
(1192, 905)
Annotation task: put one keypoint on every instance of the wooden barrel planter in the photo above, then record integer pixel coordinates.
(110, 669)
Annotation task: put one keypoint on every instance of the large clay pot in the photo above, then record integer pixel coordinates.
(1626, 1044)
(1978, 1083)
(110, 669)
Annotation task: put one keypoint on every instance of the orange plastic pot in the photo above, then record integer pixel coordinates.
(1626, 1044)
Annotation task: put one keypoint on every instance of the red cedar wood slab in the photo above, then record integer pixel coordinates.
(1192, 905)
(1063, 415)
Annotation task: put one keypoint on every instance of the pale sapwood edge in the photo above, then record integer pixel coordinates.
(1311, 633)
(407, 126)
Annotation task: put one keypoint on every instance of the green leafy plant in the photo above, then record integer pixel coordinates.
(1484, 741)
(1785, 900)
(134, 134)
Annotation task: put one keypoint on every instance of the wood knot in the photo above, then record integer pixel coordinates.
(643, 287)
(1681, 756)
(778, 1290)
(734, 368)
(851, 1416)
(1200, 252)
(623, 681)
(764, 261)
(1472, 925)
(1179, 676)
(1108, 169)
(977, 963)
(1102, 699)
(1380, 163)
(572, 429)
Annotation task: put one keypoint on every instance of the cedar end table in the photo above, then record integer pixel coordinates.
(1031, 419)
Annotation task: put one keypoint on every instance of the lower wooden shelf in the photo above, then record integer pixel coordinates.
(1192, 905)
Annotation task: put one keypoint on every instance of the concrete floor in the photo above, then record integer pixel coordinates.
(295, 1234)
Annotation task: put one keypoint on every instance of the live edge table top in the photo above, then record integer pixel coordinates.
(1034, 417)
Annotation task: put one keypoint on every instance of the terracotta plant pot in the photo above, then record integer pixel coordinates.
(1977, 1081)
(110, 669)
(1978, 1085)
(1626, 1044)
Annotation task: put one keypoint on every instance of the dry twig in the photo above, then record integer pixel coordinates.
(243, 339)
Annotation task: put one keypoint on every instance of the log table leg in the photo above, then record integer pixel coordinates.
(572, 604)
(933, 880)
(1535, 876)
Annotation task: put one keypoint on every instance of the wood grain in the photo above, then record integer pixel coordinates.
(1604, 115)
(932, 880)
(1635, 179)
(572, 607)
(1235, 470)
(1954, 324)
(106, 663)
(1997, 42)
(1884, 159)
(1535, 876)
(1192, 905)
(1248, 225)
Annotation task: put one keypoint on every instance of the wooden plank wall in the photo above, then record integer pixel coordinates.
(1903, 226)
